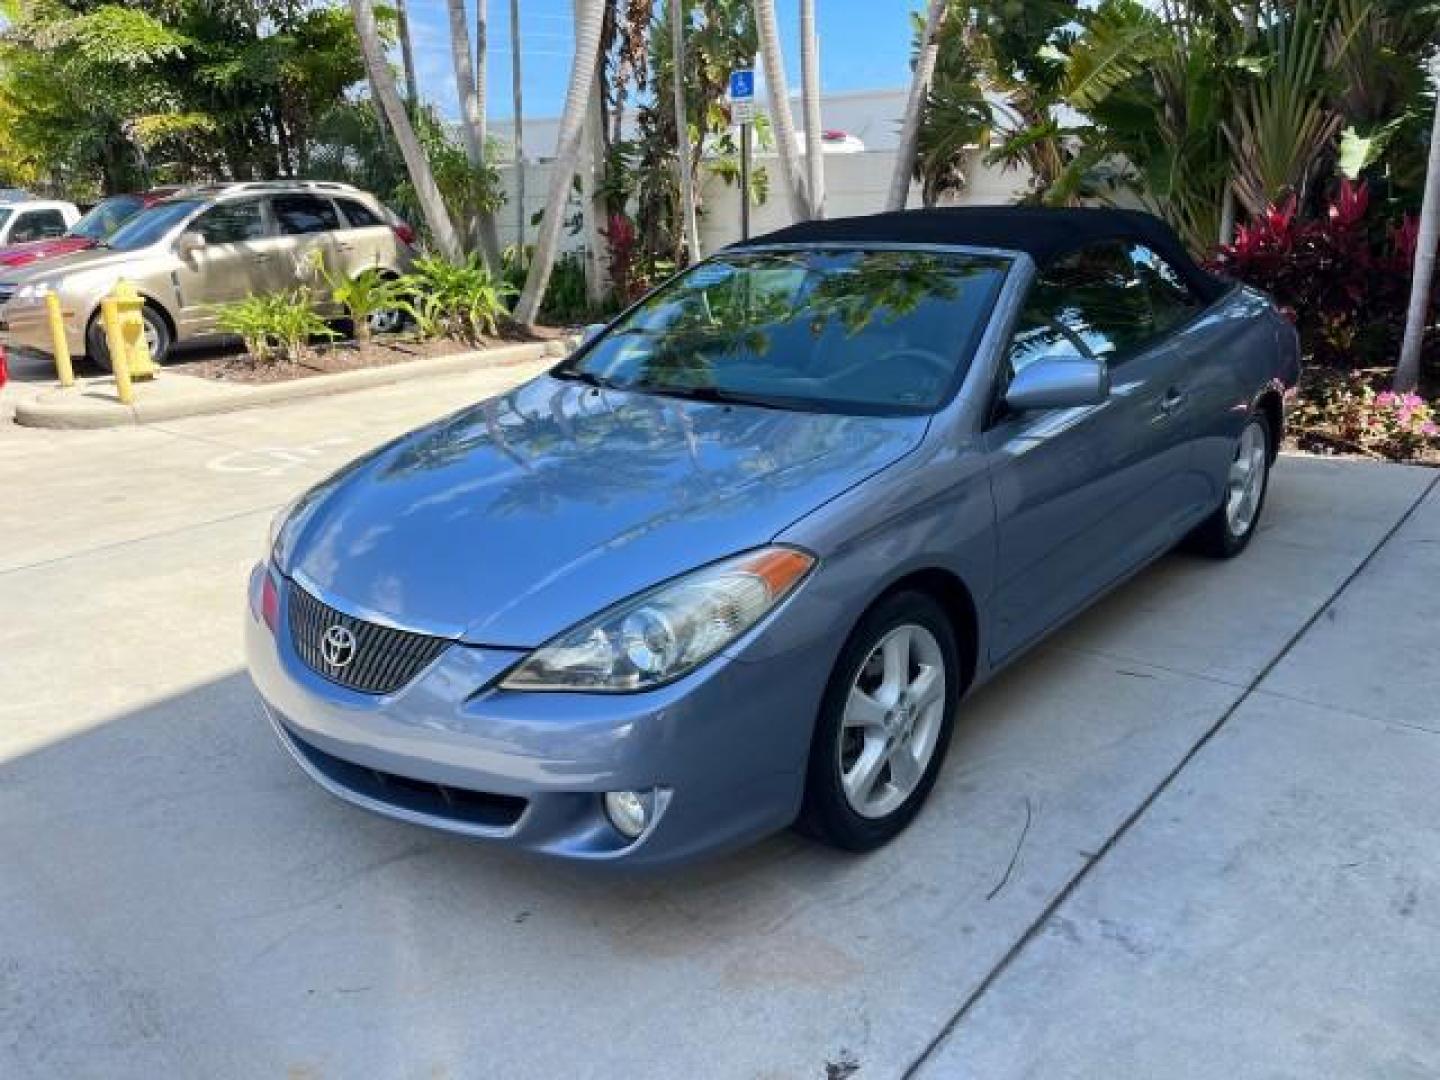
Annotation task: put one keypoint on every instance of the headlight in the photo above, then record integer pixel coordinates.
(285, 527)
(33, 291)
(666, 631)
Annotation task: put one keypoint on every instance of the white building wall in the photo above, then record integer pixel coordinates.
(855, 184)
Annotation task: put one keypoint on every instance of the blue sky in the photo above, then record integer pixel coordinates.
(864, 44)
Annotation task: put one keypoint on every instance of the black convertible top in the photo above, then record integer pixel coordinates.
(1043, 233)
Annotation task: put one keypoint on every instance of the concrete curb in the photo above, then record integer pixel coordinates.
(92, 403)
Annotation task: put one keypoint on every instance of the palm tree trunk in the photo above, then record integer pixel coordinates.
(1407, 372)
(463, 61)
(472, 123)
(810, 100)
(407, 55)
(437, 218)
(519, 128)
(591, 14)
(489, 232)
(682, 130)
(915, 108)
(592, 158)
(783, 122)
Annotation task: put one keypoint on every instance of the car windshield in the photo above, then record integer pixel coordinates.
(152, 224)
(5, 213)
(106, 216)
(860, 331)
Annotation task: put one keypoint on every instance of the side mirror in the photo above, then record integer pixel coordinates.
(1061, 382)
(591, 332)
(189, 243)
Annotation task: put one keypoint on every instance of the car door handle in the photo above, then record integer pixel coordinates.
(262, 258)
(345, 247)
(1172, 402)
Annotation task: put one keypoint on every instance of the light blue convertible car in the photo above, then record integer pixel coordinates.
(735, 563)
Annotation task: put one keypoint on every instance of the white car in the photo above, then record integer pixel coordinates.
(35, 219)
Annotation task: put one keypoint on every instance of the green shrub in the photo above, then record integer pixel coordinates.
(567, 301)
(274, 326)
(365, 295)
(460, 300)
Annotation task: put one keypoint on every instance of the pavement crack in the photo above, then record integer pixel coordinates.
(1038, 924)
(1014, 855)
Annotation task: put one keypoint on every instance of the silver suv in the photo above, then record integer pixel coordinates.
(200, 248)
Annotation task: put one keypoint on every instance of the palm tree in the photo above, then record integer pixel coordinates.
(1407, 372)
(682, 129)
(489, 233)
(464, 64)
(432, 206)
(519, 127)
(810, 101)
(915, 108)
(407, 55)
(592, 203)
(590, 17)
(781, 120)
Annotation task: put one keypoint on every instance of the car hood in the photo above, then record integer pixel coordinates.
(518, 517)
(35, 250)
(93, 258)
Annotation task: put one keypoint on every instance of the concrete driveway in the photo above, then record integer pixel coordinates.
(1196, 834)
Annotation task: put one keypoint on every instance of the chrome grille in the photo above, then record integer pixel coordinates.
(382, 659)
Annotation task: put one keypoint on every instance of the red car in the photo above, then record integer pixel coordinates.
(99, 222)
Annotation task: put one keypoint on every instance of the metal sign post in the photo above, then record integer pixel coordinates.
(742, 112)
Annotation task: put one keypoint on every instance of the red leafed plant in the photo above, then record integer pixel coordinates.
(1343, 277)
(622, 244)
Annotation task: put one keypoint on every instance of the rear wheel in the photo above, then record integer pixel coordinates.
(1227, 532)
(386, 321)
(157, 337)
(884, 724)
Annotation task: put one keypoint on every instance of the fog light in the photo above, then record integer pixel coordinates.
(629, 811)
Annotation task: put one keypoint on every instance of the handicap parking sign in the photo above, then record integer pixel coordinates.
(742, 85)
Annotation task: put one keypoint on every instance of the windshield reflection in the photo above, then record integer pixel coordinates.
(864, 331)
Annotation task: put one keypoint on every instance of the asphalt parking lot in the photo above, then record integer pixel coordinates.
(1196, 834)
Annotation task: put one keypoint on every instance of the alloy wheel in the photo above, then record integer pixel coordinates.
(1246, 484)
(892, 721)
(385, 321)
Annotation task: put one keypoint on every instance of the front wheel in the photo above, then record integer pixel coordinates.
(884, 724)
(157, 338)
(1227, 532)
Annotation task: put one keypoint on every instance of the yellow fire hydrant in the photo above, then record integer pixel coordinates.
(125, 335)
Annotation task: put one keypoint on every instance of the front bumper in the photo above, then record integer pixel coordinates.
(26, 325)
(724, 749)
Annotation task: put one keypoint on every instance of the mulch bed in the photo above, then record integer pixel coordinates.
(332, 357)
(1323, 445)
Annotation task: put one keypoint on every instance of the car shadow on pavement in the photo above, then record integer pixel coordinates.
(174, 856)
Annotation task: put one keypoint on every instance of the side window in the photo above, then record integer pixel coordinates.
(358, 214)
(1088, 303)
(1171, 301)
(231, 223)
(300, 214)
(37, 225)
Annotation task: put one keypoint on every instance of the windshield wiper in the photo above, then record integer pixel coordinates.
(589, 378)
(711, 394)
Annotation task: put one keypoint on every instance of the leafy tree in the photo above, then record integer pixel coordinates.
(170, 90)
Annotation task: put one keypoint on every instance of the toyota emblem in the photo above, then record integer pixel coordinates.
(337, 647)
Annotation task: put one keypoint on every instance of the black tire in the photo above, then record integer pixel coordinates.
(827, 813)
(1217, 536)
(98, 350)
